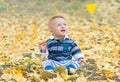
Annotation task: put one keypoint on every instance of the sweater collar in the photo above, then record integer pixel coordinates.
(53, 37)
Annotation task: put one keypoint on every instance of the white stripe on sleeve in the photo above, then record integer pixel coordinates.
(79, 55)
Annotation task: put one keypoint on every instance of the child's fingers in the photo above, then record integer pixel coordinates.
(42, 43)
(42, 47)
(85, 64)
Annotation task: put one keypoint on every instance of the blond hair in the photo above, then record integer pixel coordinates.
(54, 17)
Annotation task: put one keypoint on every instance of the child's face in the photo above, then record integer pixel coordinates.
(58, 27)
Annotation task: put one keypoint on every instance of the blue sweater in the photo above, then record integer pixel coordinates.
(63, 49)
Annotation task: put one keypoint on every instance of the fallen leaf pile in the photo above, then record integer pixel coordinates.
(20, 36)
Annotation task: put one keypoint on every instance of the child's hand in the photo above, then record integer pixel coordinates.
(42, 46)
(81, 60)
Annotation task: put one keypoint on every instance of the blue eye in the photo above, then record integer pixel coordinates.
(65, 24)
(59, 24)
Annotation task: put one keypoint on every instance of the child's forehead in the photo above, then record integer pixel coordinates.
(57, 20)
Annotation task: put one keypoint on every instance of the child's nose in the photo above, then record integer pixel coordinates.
(63, 26)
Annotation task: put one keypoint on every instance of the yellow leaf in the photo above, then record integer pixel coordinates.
(42, 80)
(61, 69)
(50, 80)
(91, 7)
(109, 80)
(6, 71)
(6, 76)
(19, 78)
(81, 74)
(48, 74)
(16, 71)
(109, 73)
(81, 79)
(58, 79)
(36, 60)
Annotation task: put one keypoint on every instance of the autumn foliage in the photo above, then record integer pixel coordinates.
(98, 37)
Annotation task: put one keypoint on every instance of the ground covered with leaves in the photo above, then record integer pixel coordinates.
(98, 36)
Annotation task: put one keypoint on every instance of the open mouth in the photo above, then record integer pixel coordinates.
(63, 31)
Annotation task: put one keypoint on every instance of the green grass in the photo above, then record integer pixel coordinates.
(46, 7)
(73, 8)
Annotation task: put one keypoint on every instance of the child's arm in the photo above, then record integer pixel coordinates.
(42, 49)
(76, 52)
(80, 58)
(42, 46)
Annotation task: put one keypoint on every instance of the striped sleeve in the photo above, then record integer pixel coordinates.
(76, 52)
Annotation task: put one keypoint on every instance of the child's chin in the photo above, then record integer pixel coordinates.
(63, 34)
